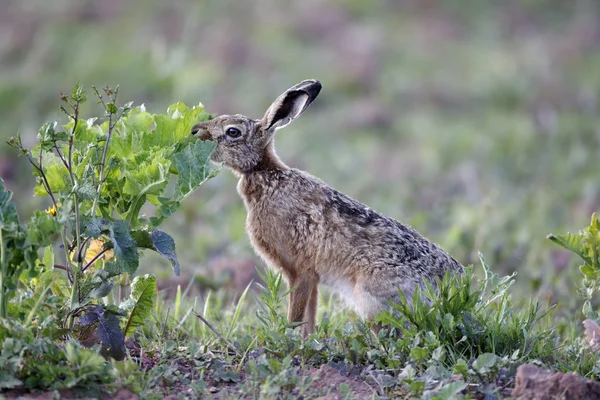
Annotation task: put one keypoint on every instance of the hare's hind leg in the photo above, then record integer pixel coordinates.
(299, 298)
(311, 310)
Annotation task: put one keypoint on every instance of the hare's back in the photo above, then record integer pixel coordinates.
(382, 242)
(305, 221)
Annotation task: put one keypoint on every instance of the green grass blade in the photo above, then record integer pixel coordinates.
(177, 302)
(238, 311)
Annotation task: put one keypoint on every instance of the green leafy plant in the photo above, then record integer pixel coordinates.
(101, 175)
(140, 302)
(31, 360)
(586, 244)
(274, 379)
(275, 330)
(468, 318)
(16, 252)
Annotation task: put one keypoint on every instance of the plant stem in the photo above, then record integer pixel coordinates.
(93, 260)
(61, 156)
(103, 164)
(78, 262)
(63, 235)
(73, 183)
(111, 127)
(3, 291)
(77, 230)
(227, 342)
(74, 298)
(43, 175)
(80, 252)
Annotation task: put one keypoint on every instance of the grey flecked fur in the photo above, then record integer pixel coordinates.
(312, 232)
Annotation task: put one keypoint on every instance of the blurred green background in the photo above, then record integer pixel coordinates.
(474, 121)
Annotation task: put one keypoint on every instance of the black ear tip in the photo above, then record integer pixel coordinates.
(312, 82)
(312, 87)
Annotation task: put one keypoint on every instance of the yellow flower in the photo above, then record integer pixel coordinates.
(96, 246)
(52, 211)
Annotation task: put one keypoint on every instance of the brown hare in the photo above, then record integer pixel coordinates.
(312, 232)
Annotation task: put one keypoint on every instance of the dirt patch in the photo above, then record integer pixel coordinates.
(327, 380)
(121, 394)
(533, 383)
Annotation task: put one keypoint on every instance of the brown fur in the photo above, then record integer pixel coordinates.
(312, 232)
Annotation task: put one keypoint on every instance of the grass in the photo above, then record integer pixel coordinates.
(465, 339)
(469, 340)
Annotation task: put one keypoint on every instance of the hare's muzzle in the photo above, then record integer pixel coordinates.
(202, 132)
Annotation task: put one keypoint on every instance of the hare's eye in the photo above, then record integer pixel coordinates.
(233, 133)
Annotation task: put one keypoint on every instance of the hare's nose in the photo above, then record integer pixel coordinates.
(200, 128)
(196, 129)
(205, 136)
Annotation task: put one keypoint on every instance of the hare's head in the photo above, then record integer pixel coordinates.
(243, 143)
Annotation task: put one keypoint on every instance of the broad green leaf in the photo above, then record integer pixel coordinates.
(52, 278)
(461, 367)
(573, 242)
(85, 191)
(48, 258)
(83, 363)
(418, 353)
(592, 240)
(588, 271)
(111, 108)
(166, 209)
(47, 136)
(8, 381)
(94, 226)
(147, 178)
(439, 354)
(165, 246)
(121, 146)
(64, 212)
(42, 229)
(78, 94)
(56, 174)
(9, 219)
(107, 331)
(125, 249)
(194, 167)
(99, 284)
(594, 227)
(84, 135)
(58, 285)
(178, 122)
(138, 120)
(160, 242)
(485, 363)
(19, 255)
(140, 302)
(450, 390)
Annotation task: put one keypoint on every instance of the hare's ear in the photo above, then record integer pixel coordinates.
(291, 104)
